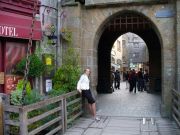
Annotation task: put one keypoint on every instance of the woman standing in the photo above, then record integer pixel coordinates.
(83, 88)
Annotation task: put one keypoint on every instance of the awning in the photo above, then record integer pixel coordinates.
(18, 26)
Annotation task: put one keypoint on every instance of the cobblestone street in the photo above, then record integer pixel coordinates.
(124, 113)
(124, 103)
(123, 126)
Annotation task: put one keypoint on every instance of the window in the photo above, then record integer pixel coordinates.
(135, 39)
(119, 45)
(113, 60)
(136, 45)
(123, 43)
(124, 58)
(118, 61)
(129, 39)
(136, 55)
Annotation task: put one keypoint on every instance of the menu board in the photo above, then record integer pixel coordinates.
(11, 82)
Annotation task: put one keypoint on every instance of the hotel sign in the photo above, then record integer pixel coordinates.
(8, 31)
(18, 26)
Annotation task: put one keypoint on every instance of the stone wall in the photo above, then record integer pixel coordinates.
(91, 26)
(49, 18)
(114, 2)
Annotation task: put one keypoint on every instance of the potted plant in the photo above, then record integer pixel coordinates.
(49, 29)
(36, 67)
(66, 35)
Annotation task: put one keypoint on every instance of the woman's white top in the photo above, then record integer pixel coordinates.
(83, 83)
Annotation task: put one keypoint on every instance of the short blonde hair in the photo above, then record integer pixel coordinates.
(86, 69)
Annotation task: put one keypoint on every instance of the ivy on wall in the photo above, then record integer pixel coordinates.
(66, 34)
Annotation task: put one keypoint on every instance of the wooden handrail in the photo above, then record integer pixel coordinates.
(61, 104)
(176, 106)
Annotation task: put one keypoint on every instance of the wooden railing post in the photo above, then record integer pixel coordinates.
(23, 122)
(62, 115)
(5, 101)
(6, 127)
(176, 106)
(65, 113)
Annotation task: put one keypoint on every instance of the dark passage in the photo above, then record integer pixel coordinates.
(117, 26)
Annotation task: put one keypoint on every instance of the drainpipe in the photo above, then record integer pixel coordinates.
(59, 41)
(177, 46)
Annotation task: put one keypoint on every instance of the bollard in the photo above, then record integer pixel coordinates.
(1, 116)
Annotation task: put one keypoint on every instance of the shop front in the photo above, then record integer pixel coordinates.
(15, 31)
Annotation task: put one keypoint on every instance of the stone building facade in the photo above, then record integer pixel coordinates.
(97, 24)
(129, 51)
(135, 51)
(116, 55)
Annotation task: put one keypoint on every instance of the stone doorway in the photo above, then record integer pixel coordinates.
(118, 25)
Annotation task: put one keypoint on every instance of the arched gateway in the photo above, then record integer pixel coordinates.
(120, 23)
(96, 29)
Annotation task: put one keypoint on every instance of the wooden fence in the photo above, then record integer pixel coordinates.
(176, 106)
(2, 98)
(48, 117)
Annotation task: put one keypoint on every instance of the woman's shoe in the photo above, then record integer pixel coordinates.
(97, 119)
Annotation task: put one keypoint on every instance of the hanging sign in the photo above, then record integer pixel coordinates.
(48, 61)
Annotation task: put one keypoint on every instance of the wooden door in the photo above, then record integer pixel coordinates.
(14, 52)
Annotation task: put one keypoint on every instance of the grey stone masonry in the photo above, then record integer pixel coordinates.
(104, 2)
(90, 24)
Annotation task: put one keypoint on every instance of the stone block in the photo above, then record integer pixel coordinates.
(154, 133)
(93, 131)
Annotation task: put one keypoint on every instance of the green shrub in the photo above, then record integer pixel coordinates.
(55, 92)
(36, 67)
(31, 97)
(66, 78)
(16, 97)
(21, 84)
(67, 75)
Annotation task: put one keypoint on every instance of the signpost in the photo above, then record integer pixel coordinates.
(164, 13)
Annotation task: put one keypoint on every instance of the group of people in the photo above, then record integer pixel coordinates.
(134, 79)
(115, 80)
(137, 80)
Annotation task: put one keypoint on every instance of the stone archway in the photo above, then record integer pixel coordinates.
(89, 25)
(163, 48)
(127, 21)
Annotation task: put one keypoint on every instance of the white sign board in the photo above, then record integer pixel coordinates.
(48, 85)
